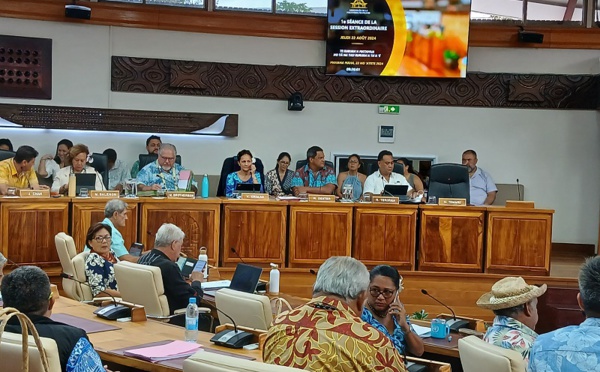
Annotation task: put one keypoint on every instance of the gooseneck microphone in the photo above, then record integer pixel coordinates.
(231, 338)
(313, 272)
(71, 277)
(440, 302)
(237, 254)
(519, 189)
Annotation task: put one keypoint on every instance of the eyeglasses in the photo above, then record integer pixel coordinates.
(167, 159)
(100, 239)
(375, 292)
(284, 162)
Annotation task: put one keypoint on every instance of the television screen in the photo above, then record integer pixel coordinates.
(427, 38)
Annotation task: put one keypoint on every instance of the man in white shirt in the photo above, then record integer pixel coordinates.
(117, 171)
(375, 183)
(482, 186)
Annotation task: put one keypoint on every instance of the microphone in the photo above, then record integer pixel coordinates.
(440, 302)
(237, 254)
(109, 312)
(454, 324)
(384, 191)
(231, 338)
(519, 189)
(313, 272)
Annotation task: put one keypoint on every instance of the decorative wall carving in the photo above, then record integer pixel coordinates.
(81, 118)
(162, 76)
(25, 67)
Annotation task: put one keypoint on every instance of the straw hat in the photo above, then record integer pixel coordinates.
(509, 292)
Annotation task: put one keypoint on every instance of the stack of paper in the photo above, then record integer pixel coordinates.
(422, 331)
(172, 350)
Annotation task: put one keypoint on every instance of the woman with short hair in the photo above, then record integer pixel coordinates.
(77, 160)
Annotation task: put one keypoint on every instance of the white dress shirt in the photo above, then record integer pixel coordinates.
(62, 178)
(376, 182)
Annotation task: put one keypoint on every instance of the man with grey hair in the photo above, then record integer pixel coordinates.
(167, 246)
(577, 347)
(325, 334)
(115, 215)
(162, 174)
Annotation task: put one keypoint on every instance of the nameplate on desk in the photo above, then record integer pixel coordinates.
(385, 199)
(254, 196)
(105, 194)
(25, 193)
(321, 198)
(455, 202)
(181, 195)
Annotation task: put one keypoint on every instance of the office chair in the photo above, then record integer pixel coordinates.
(248, 310)
(11, 353)
(5, 154)
(231, 165)
(100, 164)
(74, 265)
(146, 159)
(448, 180)
(475, 353)
(302, 163)
(204, 361)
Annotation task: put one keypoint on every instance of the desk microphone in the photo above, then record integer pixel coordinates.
(237, 254)
(313, 272)
(113, 311)
(454, 324)
(231, 338)
(519, 189)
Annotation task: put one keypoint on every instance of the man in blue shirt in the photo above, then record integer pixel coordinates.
(315, 177)
(483, 188)
(574, 348)
(162, 174)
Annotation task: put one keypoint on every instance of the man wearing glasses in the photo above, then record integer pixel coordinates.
(163, 174)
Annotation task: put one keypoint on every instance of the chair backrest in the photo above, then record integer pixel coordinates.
(301, 163)
(248, 310)
(146, 159)
(142, 285)
(5, 154)
(448, 180)
(204, 361)
(11, 353)
(65, 247)
(100, 164)
(475, 353)
(231, 165)
(79, 264)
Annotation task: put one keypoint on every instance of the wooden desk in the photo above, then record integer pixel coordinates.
(518, 241)
(198, 218)
(385, 234)
(85, 212)
(256, 229)
(319, 231)
(451, 238)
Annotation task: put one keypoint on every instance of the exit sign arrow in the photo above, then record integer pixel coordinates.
(389, 109)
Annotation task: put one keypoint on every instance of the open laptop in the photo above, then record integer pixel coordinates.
(397, 190)
(245, 279)
(248, 187)
(85, 180)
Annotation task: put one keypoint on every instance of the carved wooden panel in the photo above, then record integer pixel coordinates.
(258, 232)
(85, 213)
(199, 220)
(28, 230)
(81, 118)
(451, 239)
(25, 67)
(162, 76)
(385, 235)
(519, 241)
(319, 231)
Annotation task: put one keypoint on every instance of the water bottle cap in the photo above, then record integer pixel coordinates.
(205, 175)
(192, 300)
(274, 266)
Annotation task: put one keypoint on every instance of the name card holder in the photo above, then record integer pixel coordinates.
(453, 202)
(26, 193)
(385, 199)
(181, 195)
(105, 194)
(321, 198)
(254, 196)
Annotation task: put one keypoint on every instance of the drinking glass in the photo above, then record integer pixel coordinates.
(347, 192)
(131, 188)
(11, 191)
(83, 192)
(432, 200)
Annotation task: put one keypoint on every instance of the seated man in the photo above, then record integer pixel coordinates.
(577, 347)
(375, 183)
(27, 288)
(117, 171)
(315, 177)
(483, 188)
(163, 174)
(327, 334)
(18, 171)
(167, 246)
(514, 303)
(152, 145)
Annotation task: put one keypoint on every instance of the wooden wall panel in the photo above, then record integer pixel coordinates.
(25, 67)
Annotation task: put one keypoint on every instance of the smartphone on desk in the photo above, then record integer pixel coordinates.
(136, 249)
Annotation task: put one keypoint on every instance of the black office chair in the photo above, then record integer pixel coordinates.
(448, 180)
(231, 165)
(5, 154)
(100, 164)
(302, 163)
(146, 159)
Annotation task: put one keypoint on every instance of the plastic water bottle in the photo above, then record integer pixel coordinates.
(191, 321)
(204, 257)
(274, 279)
(205, 186)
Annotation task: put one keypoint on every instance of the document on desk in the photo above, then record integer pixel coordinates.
(216, 284)
(171, 350)
(421, 331)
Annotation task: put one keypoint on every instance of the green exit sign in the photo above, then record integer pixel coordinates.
(389, 109)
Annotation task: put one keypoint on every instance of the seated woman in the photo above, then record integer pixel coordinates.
(351, 177)
(411, 176)
(76, 159)
(384, 311)
(51, 164)
(278, 181)
(99, 268)
(247, 174)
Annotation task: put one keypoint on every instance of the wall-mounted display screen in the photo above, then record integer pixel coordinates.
(426, 38)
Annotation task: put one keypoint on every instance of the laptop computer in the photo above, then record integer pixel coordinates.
(245, 279)
(87, 180)
(248, 187)
(397, 190)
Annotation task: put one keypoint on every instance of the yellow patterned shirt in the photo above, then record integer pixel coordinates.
(325, 335)
(9, 175)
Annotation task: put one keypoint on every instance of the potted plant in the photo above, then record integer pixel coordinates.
(451, 59)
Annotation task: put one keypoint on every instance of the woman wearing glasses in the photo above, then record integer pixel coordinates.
(99, 268)
(278, 181)
(384, 311)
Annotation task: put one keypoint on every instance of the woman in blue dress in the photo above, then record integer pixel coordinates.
(247, 173)
(352, 178)
(99, 268)
(384, 311)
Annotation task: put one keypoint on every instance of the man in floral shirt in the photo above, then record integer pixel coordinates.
(514, 303)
